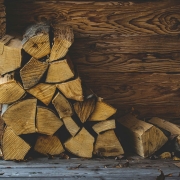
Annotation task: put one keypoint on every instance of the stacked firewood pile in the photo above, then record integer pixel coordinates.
(43, 99)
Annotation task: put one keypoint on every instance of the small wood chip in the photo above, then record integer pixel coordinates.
(74, 168)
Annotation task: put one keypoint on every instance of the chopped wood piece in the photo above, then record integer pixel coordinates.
(59, 71)
(168, 126)
(10, 92)
(32, 72)
(71, 126)
(13, 147)
(46, 121)
(85, 108)
(62, 106)
(81, 145)
(6, 78)
(104, 126)
(102, 111)
(144, 138)
(43, 92)
(48, 145)
(72, 89)
(20, 116)
(107, 144)
(63, 39)
(10, 54)
(36, 40)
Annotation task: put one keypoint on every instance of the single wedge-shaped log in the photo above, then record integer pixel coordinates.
(163, 124)
(48, 145)
(13, 147)
(63, 39)
(46, 121)
(72, 89)
(36, 40)
(102, 111)
(44, 92)
(20, 116)
(81, 145)
(59, 71)
(10, 92)
(10, 54)
(107, 144)
(104, 126)
(32, 72)
(62, 106)
(144, 138)
(71, 126)
(85, 108)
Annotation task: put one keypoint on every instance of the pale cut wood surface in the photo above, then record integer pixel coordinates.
(102, 111)
(59, 71)
(44, 92)
(36, 40)
(168, 126)
(72, 89)
(85, 108)
(71, 125)
(81, 145)
(20, 116)
(6, 78)
(46, 121)
(107, 144)
(48, 145)
(32, 72)
(104, 126)
(63, 39)
(10, 54)
(12, 150)
(144, 138)
(62, 106)
(11, 92)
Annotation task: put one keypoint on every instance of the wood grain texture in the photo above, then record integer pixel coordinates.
(2, 20)
(91, 18)
(20, 116)
(11, 150)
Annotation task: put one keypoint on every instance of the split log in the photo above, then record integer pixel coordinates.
(59, 71)
(71, 126)
(20, 116)
(13, 147)
(72, 89)
(10, 54)
(10, 92)
(36, 40)
(107, 144)
(62, 106)
(32, 72)
(102, 111)
(81, 145)
(85, 108)
(63, 39)
(7, 77)
(144, 138)
(163, 124)
(46, 121)
(44, 92)
(104, 126)
(48, 145)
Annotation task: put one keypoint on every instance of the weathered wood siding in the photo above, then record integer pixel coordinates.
(127, 52)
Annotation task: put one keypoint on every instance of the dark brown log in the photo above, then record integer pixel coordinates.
(2, 20)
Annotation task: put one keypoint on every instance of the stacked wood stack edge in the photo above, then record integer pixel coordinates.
(43, 99)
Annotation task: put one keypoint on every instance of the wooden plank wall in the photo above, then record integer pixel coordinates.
(127, 51)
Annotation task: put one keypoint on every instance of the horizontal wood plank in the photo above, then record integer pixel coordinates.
(91, 18)
(126, 62)
(152, 94)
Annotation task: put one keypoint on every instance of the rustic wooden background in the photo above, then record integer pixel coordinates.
(127, 51)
